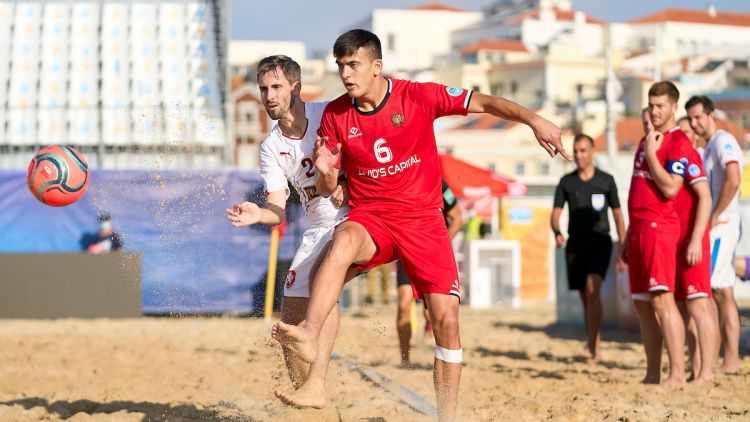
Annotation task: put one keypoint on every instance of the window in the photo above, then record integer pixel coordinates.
(471, 58)
(475, 88)
(513, 87)
(391, 42)
(520, 168)
(490, 166)
(543, 169)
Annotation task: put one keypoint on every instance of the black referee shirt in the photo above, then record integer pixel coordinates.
(587, 202)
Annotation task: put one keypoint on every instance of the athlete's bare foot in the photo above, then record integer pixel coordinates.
(702, 379)
(674, 381)
(311, 394)
(730, 369)
(296, 339)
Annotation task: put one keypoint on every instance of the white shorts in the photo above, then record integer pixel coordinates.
(314, 242)
(724, 239)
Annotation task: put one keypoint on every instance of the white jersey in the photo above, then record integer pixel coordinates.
(721, 150)
(285, 159)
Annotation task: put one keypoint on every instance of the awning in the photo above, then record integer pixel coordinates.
(469, 180)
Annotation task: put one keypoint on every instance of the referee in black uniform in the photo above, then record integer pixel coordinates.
(589, 192)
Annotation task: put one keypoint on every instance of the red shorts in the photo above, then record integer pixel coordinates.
(652, 259)
(420, 241)
(693, 281)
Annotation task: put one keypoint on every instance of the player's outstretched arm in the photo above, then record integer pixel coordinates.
(248, 213)
(325, 160)
(546, 132)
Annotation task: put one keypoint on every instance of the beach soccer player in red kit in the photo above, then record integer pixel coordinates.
(381, 135)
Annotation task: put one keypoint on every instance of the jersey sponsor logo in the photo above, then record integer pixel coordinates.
(454, 92)
(390, 170)
(291, 277)
(397, 118)
(597, 201)
(694, 170)
(283, 153)
(354, 132)
(728, 147)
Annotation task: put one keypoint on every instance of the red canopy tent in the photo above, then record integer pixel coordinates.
(468, 180)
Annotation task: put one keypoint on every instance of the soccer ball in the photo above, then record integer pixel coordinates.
(58, 175)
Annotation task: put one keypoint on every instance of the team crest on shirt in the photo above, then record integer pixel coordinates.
(454, 92)
(694, 170)
(597, 201)
(397, 118)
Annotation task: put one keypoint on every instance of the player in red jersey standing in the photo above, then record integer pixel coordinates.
(658, 175)
(693, 277)
(382, 134)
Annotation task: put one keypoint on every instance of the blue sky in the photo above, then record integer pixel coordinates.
(318, 23)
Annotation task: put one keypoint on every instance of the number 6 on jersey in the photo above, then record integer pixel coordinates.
(382, 153)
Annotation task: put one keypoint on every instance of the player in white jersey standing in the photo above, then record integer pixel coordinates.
(722, 160)
(286, 157)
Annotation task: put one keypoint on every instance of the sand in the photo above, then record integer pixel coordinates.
(519, 366)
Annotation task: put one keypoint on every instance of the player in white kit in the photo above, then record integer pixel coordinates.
(722, 161)
(286, 157)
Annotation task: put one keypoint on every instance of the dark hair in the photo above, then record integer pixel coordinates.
(664, 88)
(289, 67)
(583, 137)
(708, 105)
(349, 42)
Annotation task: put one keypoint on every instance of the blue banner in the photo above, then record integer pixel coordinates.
(193, 259)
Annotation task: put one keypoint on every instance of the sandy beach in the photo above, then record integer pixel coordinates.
(519, 365)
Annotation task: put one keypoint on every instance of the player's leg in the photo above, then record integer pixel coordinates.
(427, 322)
(311, 391)
(729, 319)
(640, 247)
(724, 238)
(385, 282)
(293, 311)
(585, 307)
(673, 331)
(594, 313)
(447, 372)
(403, 316)
(707, 347)
(652, 339)
(691, 338)
(403, 321)
(351, 245)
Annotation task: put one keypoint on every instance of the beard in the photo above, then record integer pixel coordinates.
(280, 111)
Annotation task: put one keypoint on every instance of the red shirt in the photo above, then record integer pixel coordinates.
(389, 154)
(687, 199)
(647, 205)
